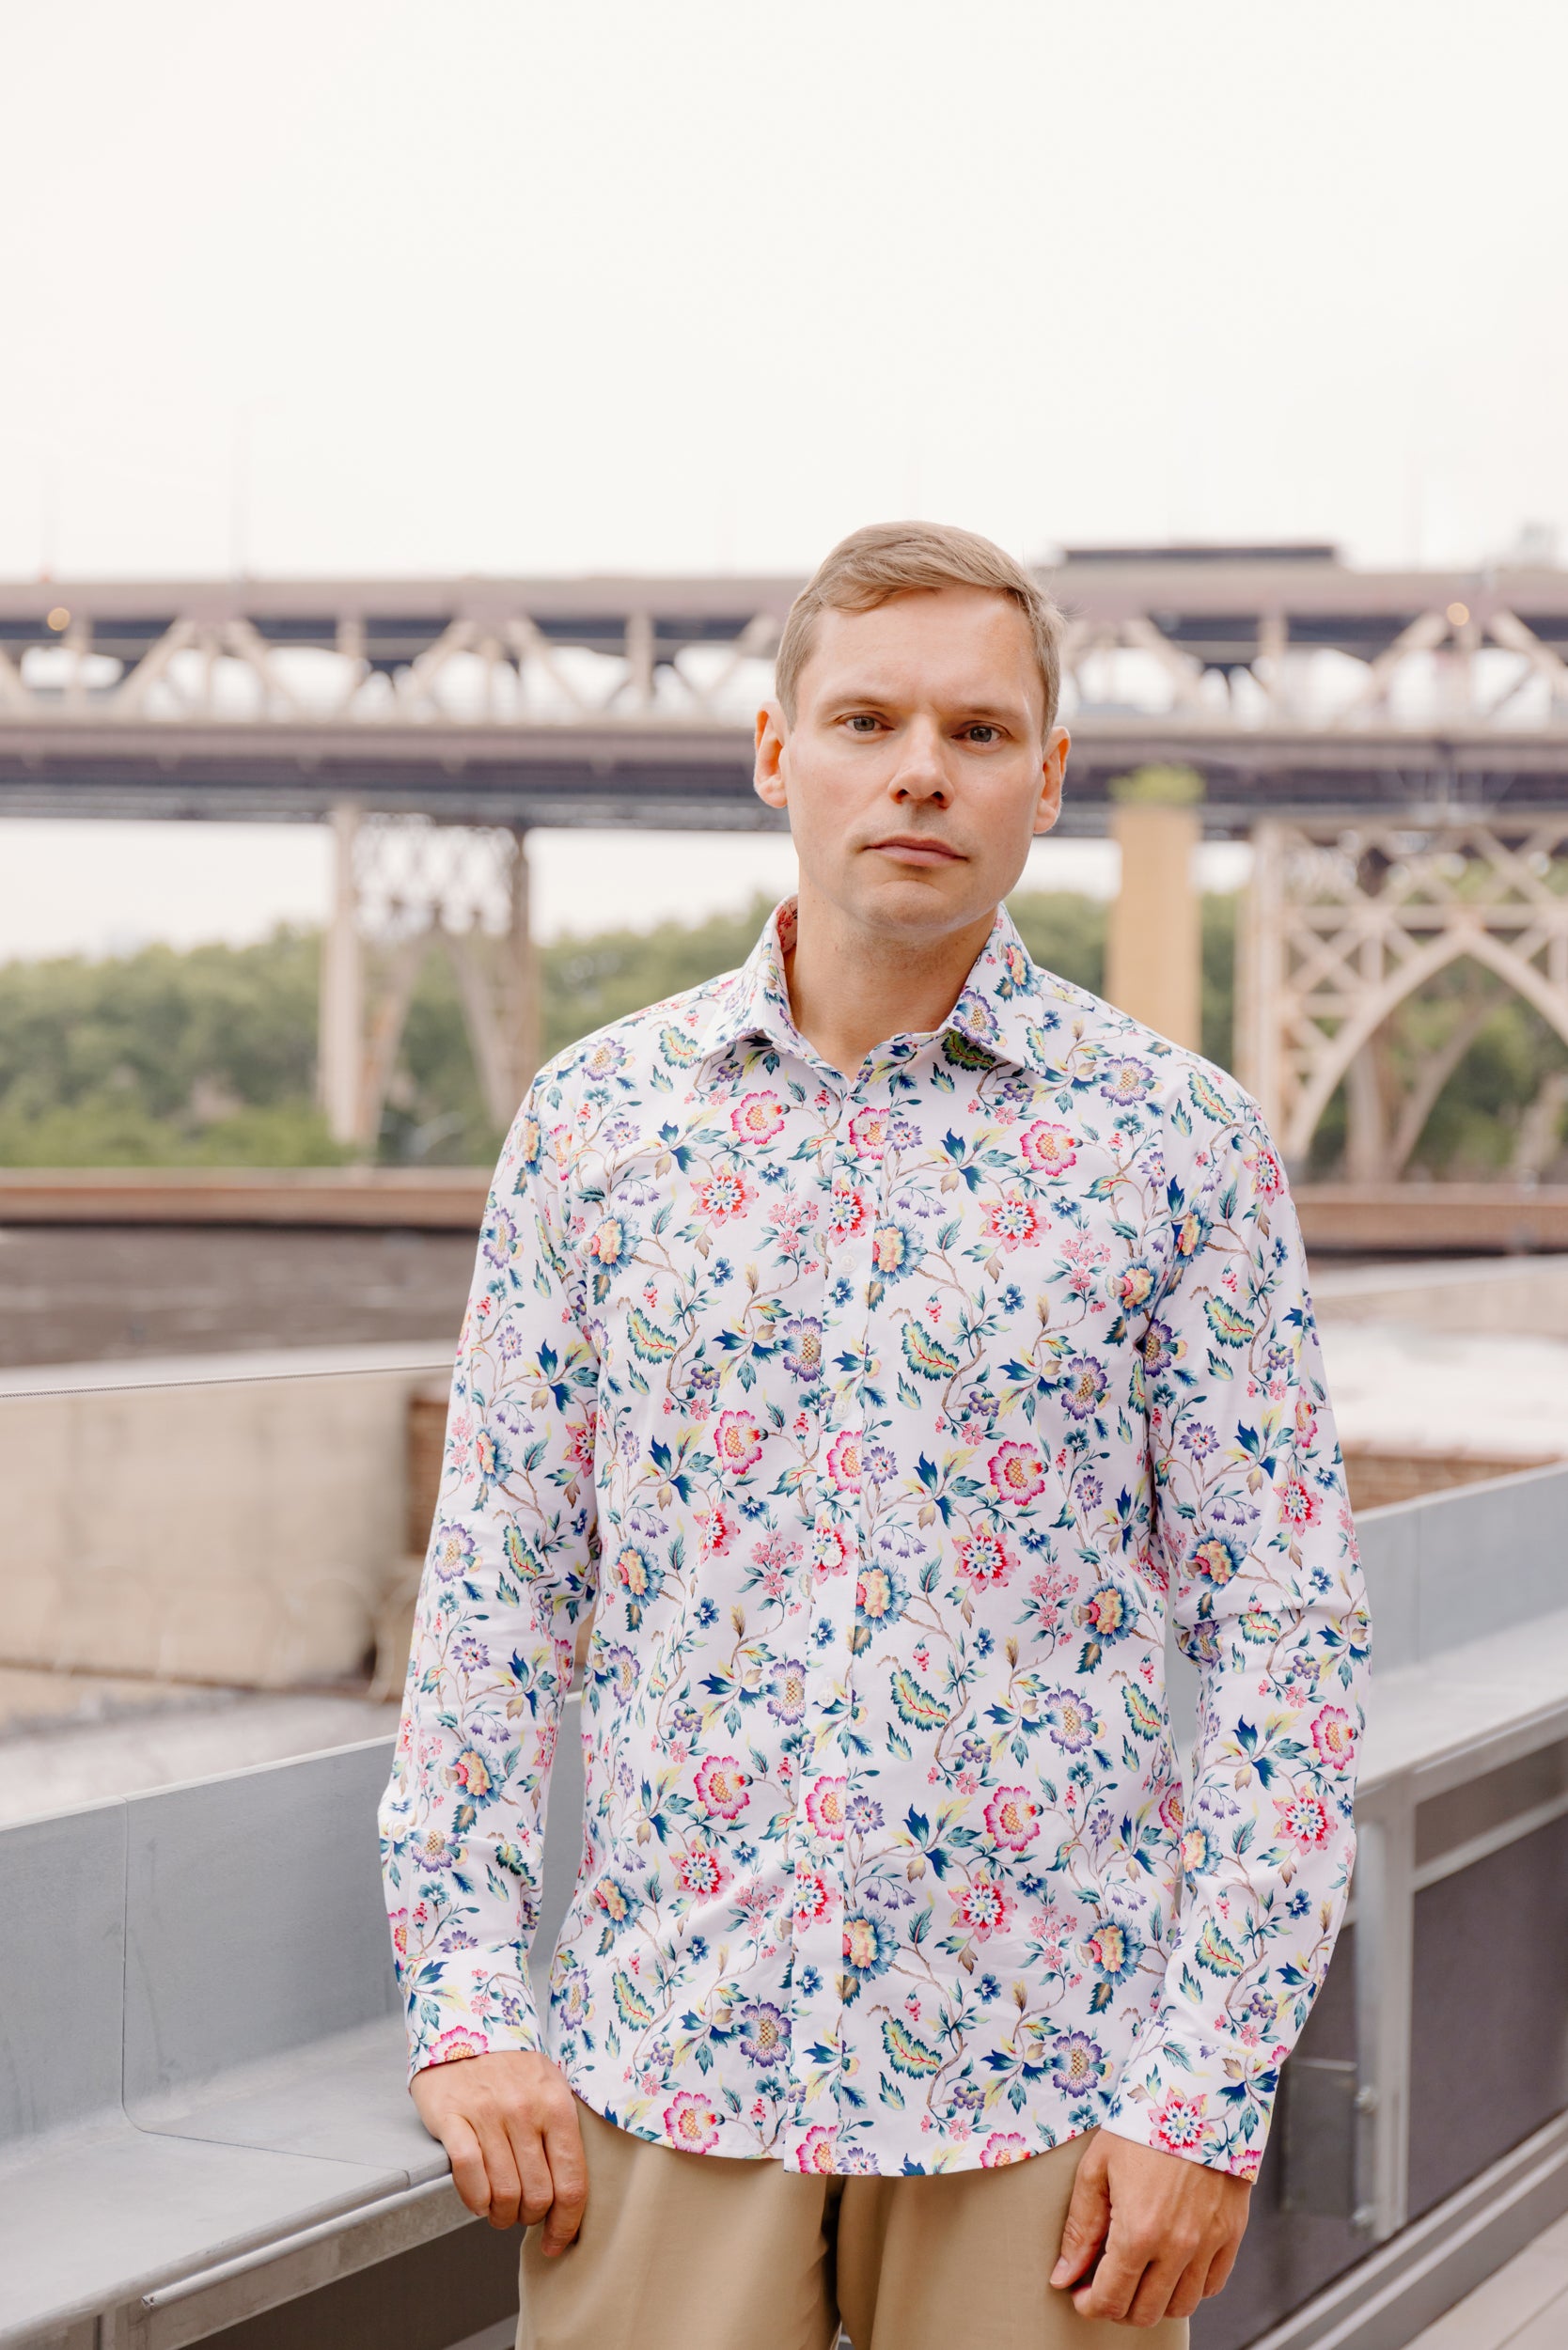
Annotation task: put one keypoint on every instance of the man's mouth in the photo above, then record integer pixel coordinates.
(916, 849)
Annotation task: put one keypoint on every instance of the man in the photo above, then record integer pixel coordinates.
(877, 1342)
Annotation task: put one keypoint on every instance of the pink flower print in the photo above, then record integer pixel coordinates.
(1334, 1736)
(720, 1527)
(868, 1132)
(982, 1908)
(1002, 2147)
(817, 2150)
(1179, 2123)
(811, 1897)
(848, 1214)
(1013, 1221)
(1012, 1818)
(723, 1788)
(1266, 1175)
(843, 1461)
(1298, 1504)
(737, 1441)
(757, 1118)
(825, 1808)
(579, 1445)
(458, 2042)
(702, 1874)
(691, 2122)
(1048, 1149)
(1304, 1820)
(724, 1196)
(986, 1559)
(831, 1550)
(1017, 1472)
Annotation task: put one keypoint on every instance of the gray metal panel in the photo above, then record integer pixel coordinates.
(1496, 1556)
(1472, 1559)
(1390, 1542)
(254, 1918)
(62, 1953)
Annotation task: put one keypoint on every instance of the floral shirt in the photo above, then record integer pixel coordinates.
(878, 1422)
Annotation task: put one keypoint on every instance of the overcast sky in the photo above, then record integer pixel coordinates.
(358, 285)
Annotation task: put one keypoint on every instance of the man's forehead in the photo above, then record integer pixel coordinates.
(962, 644)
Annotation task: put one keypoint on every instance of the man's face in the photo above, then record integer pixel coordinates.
(918, 769)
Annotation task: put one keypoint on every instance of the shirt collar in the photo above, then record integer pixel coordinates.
(1004, 1008)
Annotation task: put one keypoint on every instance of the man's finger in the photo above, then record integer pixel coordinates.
(1088, 2218)
(506, 2189)
(1156, 2292)
(563, 2145)
(1190, 2288)
(533, 2170)
(1220, 2268)
(1114, 2286)
(469, 2176)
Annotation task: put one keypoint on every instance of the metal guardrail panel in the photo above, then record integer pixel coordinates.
(1472, 1559)
(62, 1960)
(254, 1923)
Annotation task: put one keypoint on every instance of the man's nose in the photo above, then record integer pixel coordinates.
(922, 772)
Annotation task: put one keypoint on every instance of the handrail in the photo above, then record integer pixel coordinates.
(163, 2297)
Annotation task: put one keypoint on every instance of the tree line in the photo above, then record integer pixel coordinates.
(206, 1055)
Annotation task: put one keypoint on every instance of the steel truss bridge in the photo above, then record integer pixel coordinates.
(1394, 743)
(627, 701)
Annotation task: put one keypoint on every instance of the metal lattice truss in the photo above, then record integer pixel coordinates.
(1349, 930)
(1441, 663)
(498, 666)
(1294, 682)
(403, 885)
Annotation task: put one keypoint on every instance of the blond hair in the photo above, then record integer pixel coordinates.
(888, 559)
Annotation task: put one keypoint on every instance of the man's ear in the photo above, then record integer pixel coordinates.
(768, 772)
(1053, 768)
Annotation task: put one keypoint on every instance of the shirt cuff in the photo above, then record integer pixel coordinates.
(1214, 2112)
(475, 2002)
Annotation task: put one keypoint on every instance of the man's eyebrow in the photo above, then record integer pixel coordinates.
(877, 697)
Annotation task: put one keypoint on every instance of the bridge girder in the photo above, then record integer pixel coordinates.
(627, 701)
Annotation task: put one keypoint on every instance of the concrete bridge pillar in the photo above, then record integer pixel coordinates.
(401, 884)
(340, 1038)
(1153, 947)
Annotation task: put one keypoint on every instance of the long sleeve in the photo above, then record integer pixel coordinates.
(508, 1570)
(1252, 1522)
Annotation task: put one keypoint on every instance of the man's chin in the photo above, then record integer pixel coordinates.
(917, 901)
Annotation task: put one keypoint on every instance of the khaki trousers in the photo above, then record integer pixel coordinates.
(682, 2252)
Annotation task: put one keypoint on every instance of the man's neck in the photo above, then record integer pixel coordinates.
(851, 989)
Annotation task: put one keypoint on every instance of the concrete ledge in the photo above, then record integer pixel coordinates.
(429, 1199)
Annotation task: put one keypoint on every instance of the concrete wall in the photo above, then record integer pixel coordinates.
(234, 1520)
(1504, 1296)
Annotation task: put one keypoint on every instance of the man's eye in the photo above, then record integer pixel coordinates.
(983, 733)
(864, 723)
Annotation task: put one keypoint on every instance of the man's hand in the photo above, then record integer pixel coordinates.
(508, 2122)
(1165, 2232)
